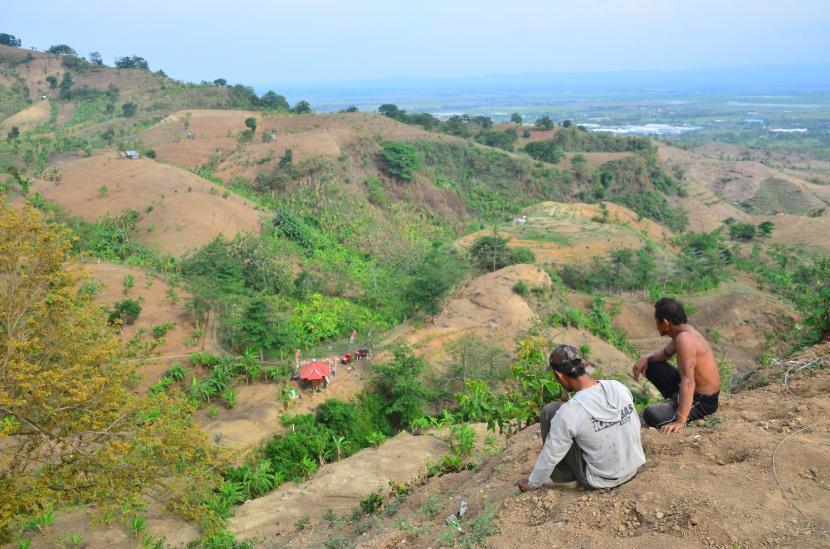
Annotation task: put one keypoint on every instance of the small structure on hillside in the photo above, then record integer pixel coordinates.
(132, 155)
(520, 219)
(314, 374)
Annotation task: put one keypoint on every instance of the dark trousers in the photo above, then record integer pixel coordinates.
(572, 466)
(666, 378)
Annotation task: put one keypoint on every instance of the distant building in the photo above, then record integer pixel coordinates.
(132, 155)
(314, 374)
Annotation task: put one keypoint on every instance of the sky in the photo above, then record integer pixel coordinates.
(293, 41)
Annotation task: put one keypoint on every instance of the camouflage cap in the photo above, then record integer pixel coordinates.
(564, 356)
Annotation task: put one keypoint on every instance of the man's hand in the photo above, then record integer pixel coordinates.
(673, 427)
(639, 368)
(523, 485)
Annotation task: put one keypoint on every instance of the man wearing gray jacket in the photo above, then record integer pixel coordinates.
(593, 439)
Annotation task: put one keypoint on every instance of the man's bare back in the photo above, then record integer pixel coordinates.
(706, 375)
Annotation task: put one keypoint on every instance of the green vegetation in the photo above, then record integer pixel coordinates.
(597, 321)
(701, 265)
(802, 278)
(545, 151)
(401, 160)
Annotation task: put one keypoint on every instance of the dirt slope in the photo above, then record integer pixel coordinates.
(339, 486)
(486, 307)
(156, 308)
(735, 319)
(179, 210)
(215, 134)
(705, 487)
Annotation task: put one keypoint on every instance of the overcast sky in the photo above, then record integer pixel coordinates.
(290, 41)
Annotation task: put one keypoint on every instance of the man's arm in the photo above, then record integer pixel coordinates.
(686, 362)
(660, 355)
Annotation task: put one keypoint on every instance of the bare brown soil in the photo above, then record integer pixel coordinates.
(28, 118)
(216, 132)
(156, 309)
(711, 486)
(255, 418)
(736, 320)
(486, 307)
(179, 210)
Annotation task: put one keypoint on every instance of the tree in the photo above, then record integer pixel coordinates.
(544, 123)
(95, 58)
(302, 107)
(765, 228)
(742, 231)
(286, 159)
(401, 159)
(516, 118)
(14, 133)
(220, 82)
(61, 49)
(10, 40)
(250, 122)
(350, 108)
(567, 124)
(399, 386)
(546, 151)
(128, 109)
(66, 85)
(53, 82)
(490, 253)
(433, 277)
(72, 430)
(392, 111)
(271, 100)
(132, 62)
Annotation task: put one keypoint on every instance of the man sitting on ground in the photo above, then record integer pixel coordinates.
(691, 390)
(593, 439)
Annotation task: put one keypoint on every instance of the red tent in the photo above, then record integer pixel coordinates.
(314, 371)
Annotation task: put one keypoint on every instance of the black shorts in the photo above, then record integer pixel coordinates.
(666, 411)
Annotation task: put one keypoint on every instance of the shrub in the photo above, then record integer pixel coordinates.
(161, 330)
(544, 123)
(128, 109)
(521, 288)
(490, 253)
(372, 503)
(127, 311)
(522, 255)
(401, 159)
(546, 151)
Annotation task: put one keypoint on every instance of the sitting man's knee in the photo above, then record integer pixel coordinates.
(657, 415)
(549, 410)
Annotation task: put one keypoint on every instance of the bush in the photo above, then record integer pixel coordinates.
(546, 151)
(742, 231)
(372, 503)
(128, 109)
(490, 253)
(522, 255)
(401, 159)
(544, 123)
(127, 311)
(433, 277)
(521, 288)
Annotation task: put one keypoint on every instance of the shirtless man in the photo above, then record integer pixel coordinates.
(691, 390)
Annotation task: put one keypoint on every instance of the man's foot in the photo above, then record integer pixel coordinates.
(564, 484)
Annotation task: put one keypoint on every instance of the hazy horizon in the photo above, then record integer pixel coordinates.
(329, 41)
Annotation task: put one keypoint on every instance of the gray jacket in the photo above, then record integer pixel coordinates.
(602, 421)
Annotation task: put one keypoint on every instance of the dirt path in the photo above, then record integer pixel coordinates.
(338, 486)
